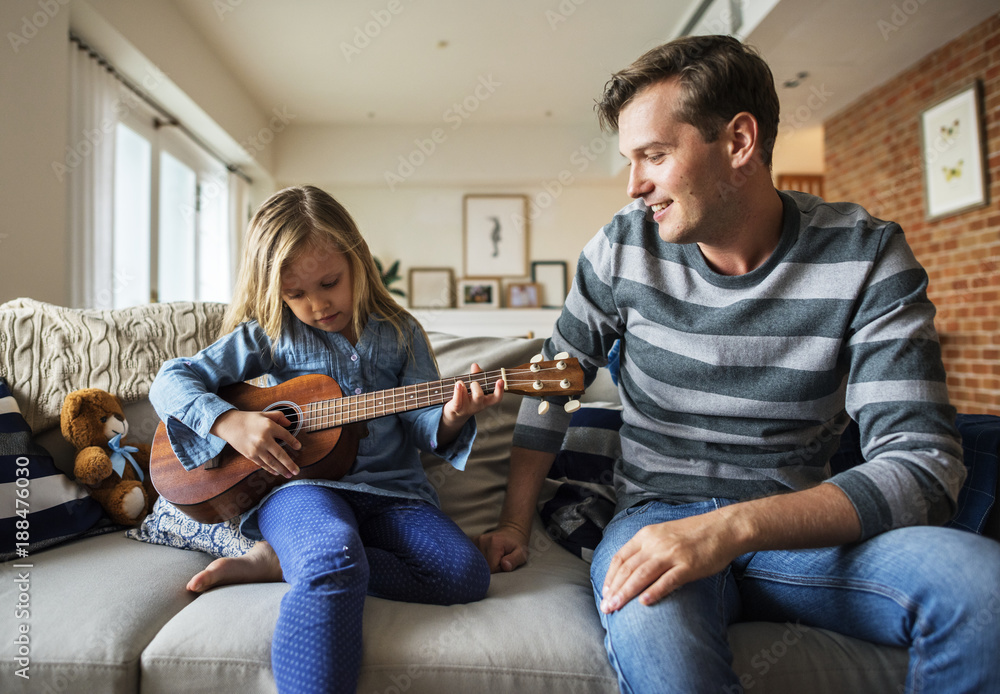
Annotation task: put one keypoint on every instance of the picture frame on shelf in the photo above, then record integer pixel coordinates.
(478, 292)
(550, 275)
(495, 235)
(524, 295)
(432, 287)
(951, 143)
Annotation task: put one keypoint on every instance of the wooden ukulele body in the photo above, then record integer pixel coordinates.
(231, 484)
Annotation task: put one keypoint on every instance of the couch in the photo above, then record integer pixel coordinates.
(103, 612)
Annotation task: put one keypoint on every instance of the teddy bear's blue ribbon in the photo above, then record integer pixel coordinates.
(120, 453)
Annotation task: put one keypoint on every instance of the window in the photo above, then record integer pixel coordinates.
(130, 238)
(154, 216)
(171, 239)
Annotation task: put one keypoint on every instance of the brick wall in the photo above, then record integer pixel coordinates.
(873, 158)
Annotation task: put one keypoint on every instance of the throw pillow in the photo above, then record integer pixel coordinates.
(980, 443)
(584, 501)
(168, 525)
(39, 505)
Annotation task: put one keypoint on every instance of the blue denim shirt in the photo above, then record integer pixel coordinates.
(388, 461)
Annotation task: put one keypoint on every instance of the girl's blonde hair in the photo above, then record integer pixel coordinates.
(287, 224)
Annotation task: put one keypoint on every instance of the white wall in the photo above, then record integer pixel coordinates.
(448, 152)
(404, 185)
(33, 107)
(422, 226)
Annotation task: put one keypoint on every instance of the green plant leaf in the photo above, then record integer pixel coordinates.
(389, 276)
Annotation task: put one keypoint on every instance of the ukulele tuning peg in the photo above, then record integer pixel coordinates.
(543, 407)
(561, 355)
(537, 358)
(572, 406)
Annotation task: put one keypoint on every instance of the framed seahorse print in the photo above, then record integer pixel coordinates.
(495, 235)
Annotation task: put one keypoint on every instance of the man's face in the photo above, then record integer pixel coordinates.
(675, 172)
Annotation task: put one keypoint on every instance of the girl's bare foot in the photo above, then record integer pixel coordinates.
(259, 565)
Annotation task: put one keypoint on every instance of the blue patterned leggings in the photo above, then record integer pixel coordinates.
(335, 546)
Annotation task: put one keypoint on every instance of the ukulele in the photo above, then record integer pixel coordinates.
(329, 427)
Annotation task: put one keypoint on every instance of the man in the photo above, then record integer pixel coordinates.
(754, 324)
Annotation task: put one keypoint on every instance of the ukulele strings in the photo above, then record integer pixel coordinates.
(327, 413)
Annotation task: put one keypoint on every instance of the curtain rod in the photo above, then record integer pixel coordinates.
(171, 119)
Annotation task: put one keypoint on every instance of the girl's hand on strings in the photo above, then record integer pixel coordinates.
(464, 403)
(258, 436)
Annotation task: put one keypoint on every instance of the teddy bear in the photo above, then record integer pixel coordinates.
(115, 473)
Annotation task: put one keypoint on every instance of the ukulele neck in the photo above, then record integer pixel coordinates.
(327, 414)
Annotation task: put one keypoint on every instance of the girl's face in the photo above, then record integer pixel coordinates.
(316, 285)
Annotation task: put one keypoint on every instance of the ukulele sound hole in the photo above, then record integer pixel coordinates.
(292, 414)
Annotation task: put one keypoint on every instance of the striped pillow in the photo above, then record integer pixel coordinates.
(39, 505)
(584, 501)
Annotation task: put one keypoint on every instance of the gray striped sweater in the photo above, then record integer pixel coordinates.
(740, 386)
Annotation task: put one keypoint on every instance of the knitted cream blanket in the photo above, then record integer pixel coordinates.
(48, 351)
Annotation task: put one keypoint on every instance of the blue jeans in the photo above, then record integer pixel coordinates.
(931, 590)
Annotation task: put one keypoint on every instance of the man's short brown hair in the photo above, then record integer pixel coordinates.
(720, 77)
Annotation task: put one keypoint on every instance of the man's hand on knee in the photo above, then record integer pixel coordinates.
(661, 558)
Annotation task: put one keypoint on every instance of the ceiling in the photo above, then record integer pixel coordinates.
(535, 62)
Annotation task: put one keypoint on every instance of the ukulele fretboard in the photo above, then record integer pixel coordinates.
(358, 408)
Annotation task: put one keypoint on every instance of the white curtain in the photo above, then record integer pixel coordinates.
(94, 95)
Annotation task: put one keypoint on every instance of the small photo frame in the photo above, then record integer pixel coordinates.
(432, 287)
(524, 295)
(495, 235)
(478, 292)
(550, 275)
(952, 148)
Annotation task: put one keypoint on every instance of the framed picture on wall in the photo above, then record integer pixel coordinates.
(431, 287)
(479, 292)
(495, 235)
(952, 149)
(550, 275)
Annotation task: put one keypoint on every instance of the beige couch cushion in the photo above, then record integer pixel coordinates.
(47, 351)
(94, 605)
(474, 496)
(536, 631)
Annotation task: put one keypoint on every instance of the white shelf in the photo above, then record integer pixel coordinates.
(497, 322)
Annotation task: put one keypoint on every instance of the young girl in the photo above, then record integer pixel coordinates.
(309, 299)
